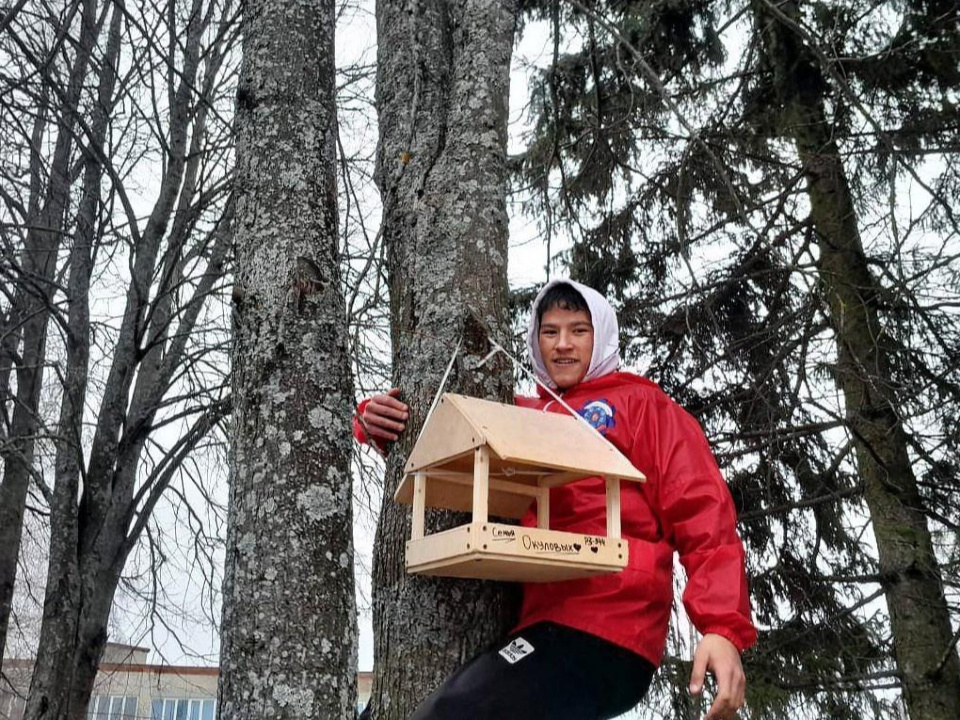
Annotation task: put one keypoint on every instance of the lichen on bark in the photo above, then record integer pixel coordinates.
(289, 618)
(442, 91)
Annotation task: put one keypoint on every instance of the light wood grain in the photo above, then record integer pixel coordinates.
(493, 551)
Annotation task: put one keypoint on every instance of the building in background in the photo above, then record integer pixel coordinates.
(128, 688)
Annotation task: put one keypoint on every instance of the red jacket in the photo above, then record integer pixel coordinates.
(683, 506)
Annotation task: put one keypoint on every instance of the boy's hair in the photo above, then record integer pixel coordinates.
(563, 296)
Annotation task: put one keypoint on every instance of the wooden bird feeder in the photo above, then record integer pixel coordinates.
(493, 460)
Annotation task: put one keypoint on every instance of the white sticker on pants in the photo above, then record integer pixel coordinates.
(517, 650)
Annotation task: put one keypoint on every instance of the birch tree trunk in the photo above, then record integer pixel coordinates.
(442, 95)
(924, 645)
(289, 638)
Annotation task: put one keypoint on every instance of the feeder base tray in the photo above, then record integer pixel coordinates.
(492, 551)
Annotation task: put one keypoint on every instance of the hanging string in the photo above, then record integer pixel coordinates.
(497, 348)
(519, 365)
(443, 384)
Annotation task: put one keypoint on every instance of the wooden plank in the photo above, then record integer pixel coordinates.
(530, 437)
(419, 505)
(543, 509)
(506, 570)
(539, 545)
(448, 434)
(613, 507)
(481, 484)
(517, 484)
(404, 491)
(529, 475)
(558, 479)
(504, 486)
(453, 491)
(507, 552)
(442, 546)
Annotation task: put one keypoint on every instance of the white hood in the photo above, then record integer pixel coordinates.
(606, 332)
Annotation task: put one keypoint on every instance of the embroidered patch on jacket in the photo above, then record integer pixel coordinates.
(599, 414)
(516, 650)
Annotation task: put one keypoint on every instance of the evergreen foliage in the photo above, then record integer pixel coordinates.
(660, 152)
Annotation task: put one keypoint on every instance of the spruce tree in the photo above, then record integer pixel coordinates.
(663, 151)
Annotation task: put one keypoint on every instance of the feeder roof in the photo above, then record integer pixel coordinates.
(523, 442)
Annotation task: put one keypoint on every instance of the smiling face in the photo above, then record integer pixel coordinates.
(566, 345)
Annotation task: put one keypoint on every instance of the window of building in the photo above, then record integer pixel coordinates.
(184, 709)
(111, 707)
(12, 706)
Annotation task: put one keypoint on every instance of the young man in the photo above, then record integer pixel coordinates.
(586, 649)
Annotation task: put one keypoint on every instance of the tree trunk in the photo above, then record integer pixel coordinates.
(91, 539)
(53, 691)
(442, 94)
(98, 496)
(289, 638)
(38, 267)
(909, 572)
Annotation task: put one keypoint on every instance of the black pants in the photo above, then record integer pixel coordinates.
(567, 675)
